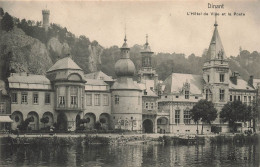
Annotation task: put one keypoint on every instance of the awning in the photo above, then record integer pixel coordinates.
(5, 118)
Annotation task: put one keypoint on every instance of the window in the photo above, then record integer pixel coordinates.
(177, 116)
(230, 98)
(73, 96)
(253, 99)
(97, 99)
(249, 99)
(14, 97)
(73, 100)
(186, 116)
(105, 98)
(165, 97)
(116, 99)
(221, 94)
(208, 94)
(208, 78)
(221, 77)
(89, 99)
(235, 98)
(146, 105)
(151, 106)
(238, 98)
(47, 98)
(61, 101)
(196, 97)
(177, 97)
(35, 98)
(24, 97)
(187, 94)
(139, 100)
(245, 99)
(2, 108)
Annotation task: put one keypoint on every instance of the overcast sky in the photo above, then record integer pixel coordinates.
(169, 27)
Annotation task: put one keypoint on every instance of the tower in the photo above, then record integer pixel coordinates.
(45, 19)
(216, 71)
(126, 94)
(147, 74)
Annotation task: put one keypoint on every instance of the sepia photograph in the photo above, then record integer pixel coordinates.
(129, 83)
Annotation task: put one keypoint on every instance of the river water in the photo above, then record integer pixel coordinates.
(131, 155)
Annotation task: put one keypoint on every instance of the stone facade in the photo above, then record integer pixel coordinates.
(67, 96)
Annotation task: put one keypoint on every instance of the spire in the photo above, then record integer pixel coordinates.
(216, 49)
(146, 40)
(216, 23)
(146, 46)
(125, 33)
(125, 46)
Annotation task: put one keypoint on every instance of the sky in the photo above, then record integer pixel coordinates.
(169, 27)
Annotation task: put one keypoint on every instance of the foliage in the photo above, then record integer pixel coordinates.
(235, 111)
(7, 23)
(24, 124)
(97, 125)
(44, 120)
(203, 111)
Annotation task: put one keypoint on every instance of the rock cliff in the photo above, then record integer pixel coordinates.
(23, 53)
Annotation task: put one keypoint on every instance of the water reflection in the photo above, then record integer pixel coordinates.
(131, 155)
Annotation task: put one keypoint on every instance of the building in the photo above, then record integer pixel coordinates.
(180, 92)
(45, 19)
(5, 107)
(66, 96)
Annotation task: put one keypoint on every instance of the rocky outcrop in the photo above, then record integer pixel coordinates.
(94, 58)
(59, 49)
(24, 53)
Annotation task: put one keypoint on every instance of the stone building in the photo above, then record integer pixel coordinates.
(45, 19)
(66, 95)
(180, 92)
(126, 94)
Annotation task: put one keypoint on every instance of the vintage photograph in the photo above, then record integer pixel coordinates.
(130, 83)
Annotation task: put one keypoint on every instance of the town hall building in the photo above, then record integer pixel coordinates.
(66, 95)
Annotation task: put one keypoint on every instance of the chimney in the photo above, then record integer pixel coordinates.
(234, 76)
(250, 81)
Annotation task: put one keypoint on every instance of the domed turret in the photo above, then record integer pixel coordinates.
(125, 66)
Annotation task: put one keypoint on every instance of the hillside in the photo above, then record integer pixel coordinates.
(26, 47)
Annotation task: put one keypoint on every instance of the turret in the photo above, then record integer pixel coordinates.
(215, 70)
(45, 19)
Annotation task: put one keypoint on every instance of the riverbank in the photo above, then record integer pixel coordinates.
(119, 139)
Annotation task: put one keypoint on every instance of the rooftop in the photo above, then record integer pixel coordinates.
(65, 63)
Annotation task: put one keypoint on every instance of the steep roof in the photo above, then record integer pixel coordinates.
(98, 75)
(216, 49)
(65, 63)
(30, 78)
(241, 85)
(24, 81)
(175, 82)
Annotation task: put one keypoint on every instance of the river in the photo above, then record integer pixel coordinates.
(131, 155)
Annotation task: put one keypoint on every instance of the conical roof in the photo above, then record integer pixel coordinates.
(216, 50)
(65, 63)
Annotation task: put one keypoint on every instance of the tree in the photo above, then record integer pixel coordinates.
(233, 112)
(2, 11)
(44, 120)
(203, 111)
(24, 124)
(7, 23)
